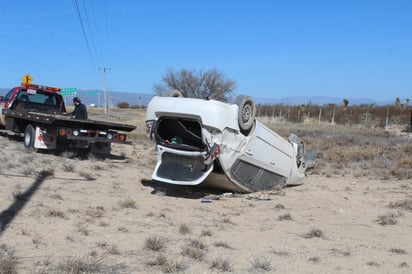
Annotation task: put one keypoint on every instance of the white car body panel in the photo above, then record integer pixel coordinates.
(200, 142)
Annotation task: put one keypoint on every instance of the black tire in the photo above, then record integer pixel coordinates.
(29, 135)
(247, 112)
(173, 93)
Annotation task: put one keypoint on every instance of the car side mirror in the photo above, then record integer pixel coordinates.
(1, 98)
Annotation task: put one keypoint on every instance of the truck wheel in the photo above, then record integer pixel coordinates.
(29, 135)
(246, 114)
(173, 93)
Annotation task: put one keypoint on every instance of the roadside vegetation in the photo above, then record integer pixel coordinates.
(359, 143)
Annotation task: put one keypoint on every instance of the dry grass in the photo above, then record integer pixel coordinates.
(314, 233)
(195, 249)
(8, 261)
(223, 264)
(285, 217)
(390, 218)
(81, 265)
(184, 229)
(261, 264)
(356, 150)
(155, 243)
(128, 203)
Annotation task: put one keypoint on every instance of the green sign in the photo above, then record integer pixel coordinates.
(92, 93)
(68, 91)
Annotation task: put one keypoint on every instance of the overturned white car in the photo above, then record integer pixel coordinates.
(220, 145)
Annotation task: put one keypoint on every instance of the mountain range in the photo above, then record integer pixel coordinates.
(93, 97)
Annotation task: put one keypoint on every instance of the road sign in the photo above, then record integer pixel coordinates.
(68, 91)
(92, 93)
(27, 79)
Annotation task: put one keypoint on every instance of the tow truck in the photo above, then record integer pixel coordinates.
(39, 114)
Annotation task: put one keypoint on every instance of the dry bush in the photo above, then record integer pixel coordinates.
(81, 265)
(8, 261)
(159, 260)
(281, 253)
(95, 212)
(155, 243)
(397, 251)
(55, 213)
(18, 194)
(260, 264)
(174, 267)
(340, 252)
(113, 250)
(314, 260)
(222, 264)
(373, 263)
(68, 167)
(390, 218)
(207, 233)
(128, 203)
(123, 229)
(184, 229)
(285, 217)
(404, 204)
(194, 249)
(314, 233)
(222, 244)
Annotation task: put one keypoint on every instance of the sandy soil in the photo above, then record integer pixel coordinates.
(65, 214)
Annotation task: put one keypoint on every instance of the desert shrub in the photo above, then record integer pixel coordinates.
(174, 267)
(155, 243)
(222, 264)
(314, 233)
(123, 105)
(8, 261)
(206, 233)
(260, 264)
(159, 260)
(81, 265)
(184, 229)
(194, 249)
(285, 217)
(222, 244)
(403, 204)
(390, 218)
(128, 203)
(397, 251)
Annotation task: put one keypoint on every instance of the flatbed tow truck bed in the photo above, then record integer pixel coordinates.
(60, 120)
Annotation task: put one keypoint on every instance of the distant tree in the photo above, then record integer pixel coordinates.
(210, 84)
(123, 105)
(398, 102)
(345, 103)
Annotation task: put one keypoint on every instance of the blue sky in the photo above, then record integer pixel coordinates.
(273, 49)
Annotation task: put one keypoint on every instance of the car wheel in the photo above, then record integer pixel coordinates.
(173, 93)
(29, 135)
(247, 112)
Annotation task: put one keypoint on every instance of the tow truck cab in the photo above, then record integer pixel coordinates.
(39, 98)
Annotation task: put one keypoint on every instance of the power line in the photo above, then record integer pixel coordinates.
(84, 34)
(92, 40)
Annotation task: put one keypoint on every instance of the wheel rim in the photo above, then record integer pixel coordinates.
(27, 140)
(246, 113)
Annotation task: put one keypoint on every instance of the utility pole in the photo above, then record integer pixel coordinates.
(104, 89)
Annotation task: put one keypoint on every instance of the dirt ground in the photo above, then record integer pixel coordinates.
(63, 214)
